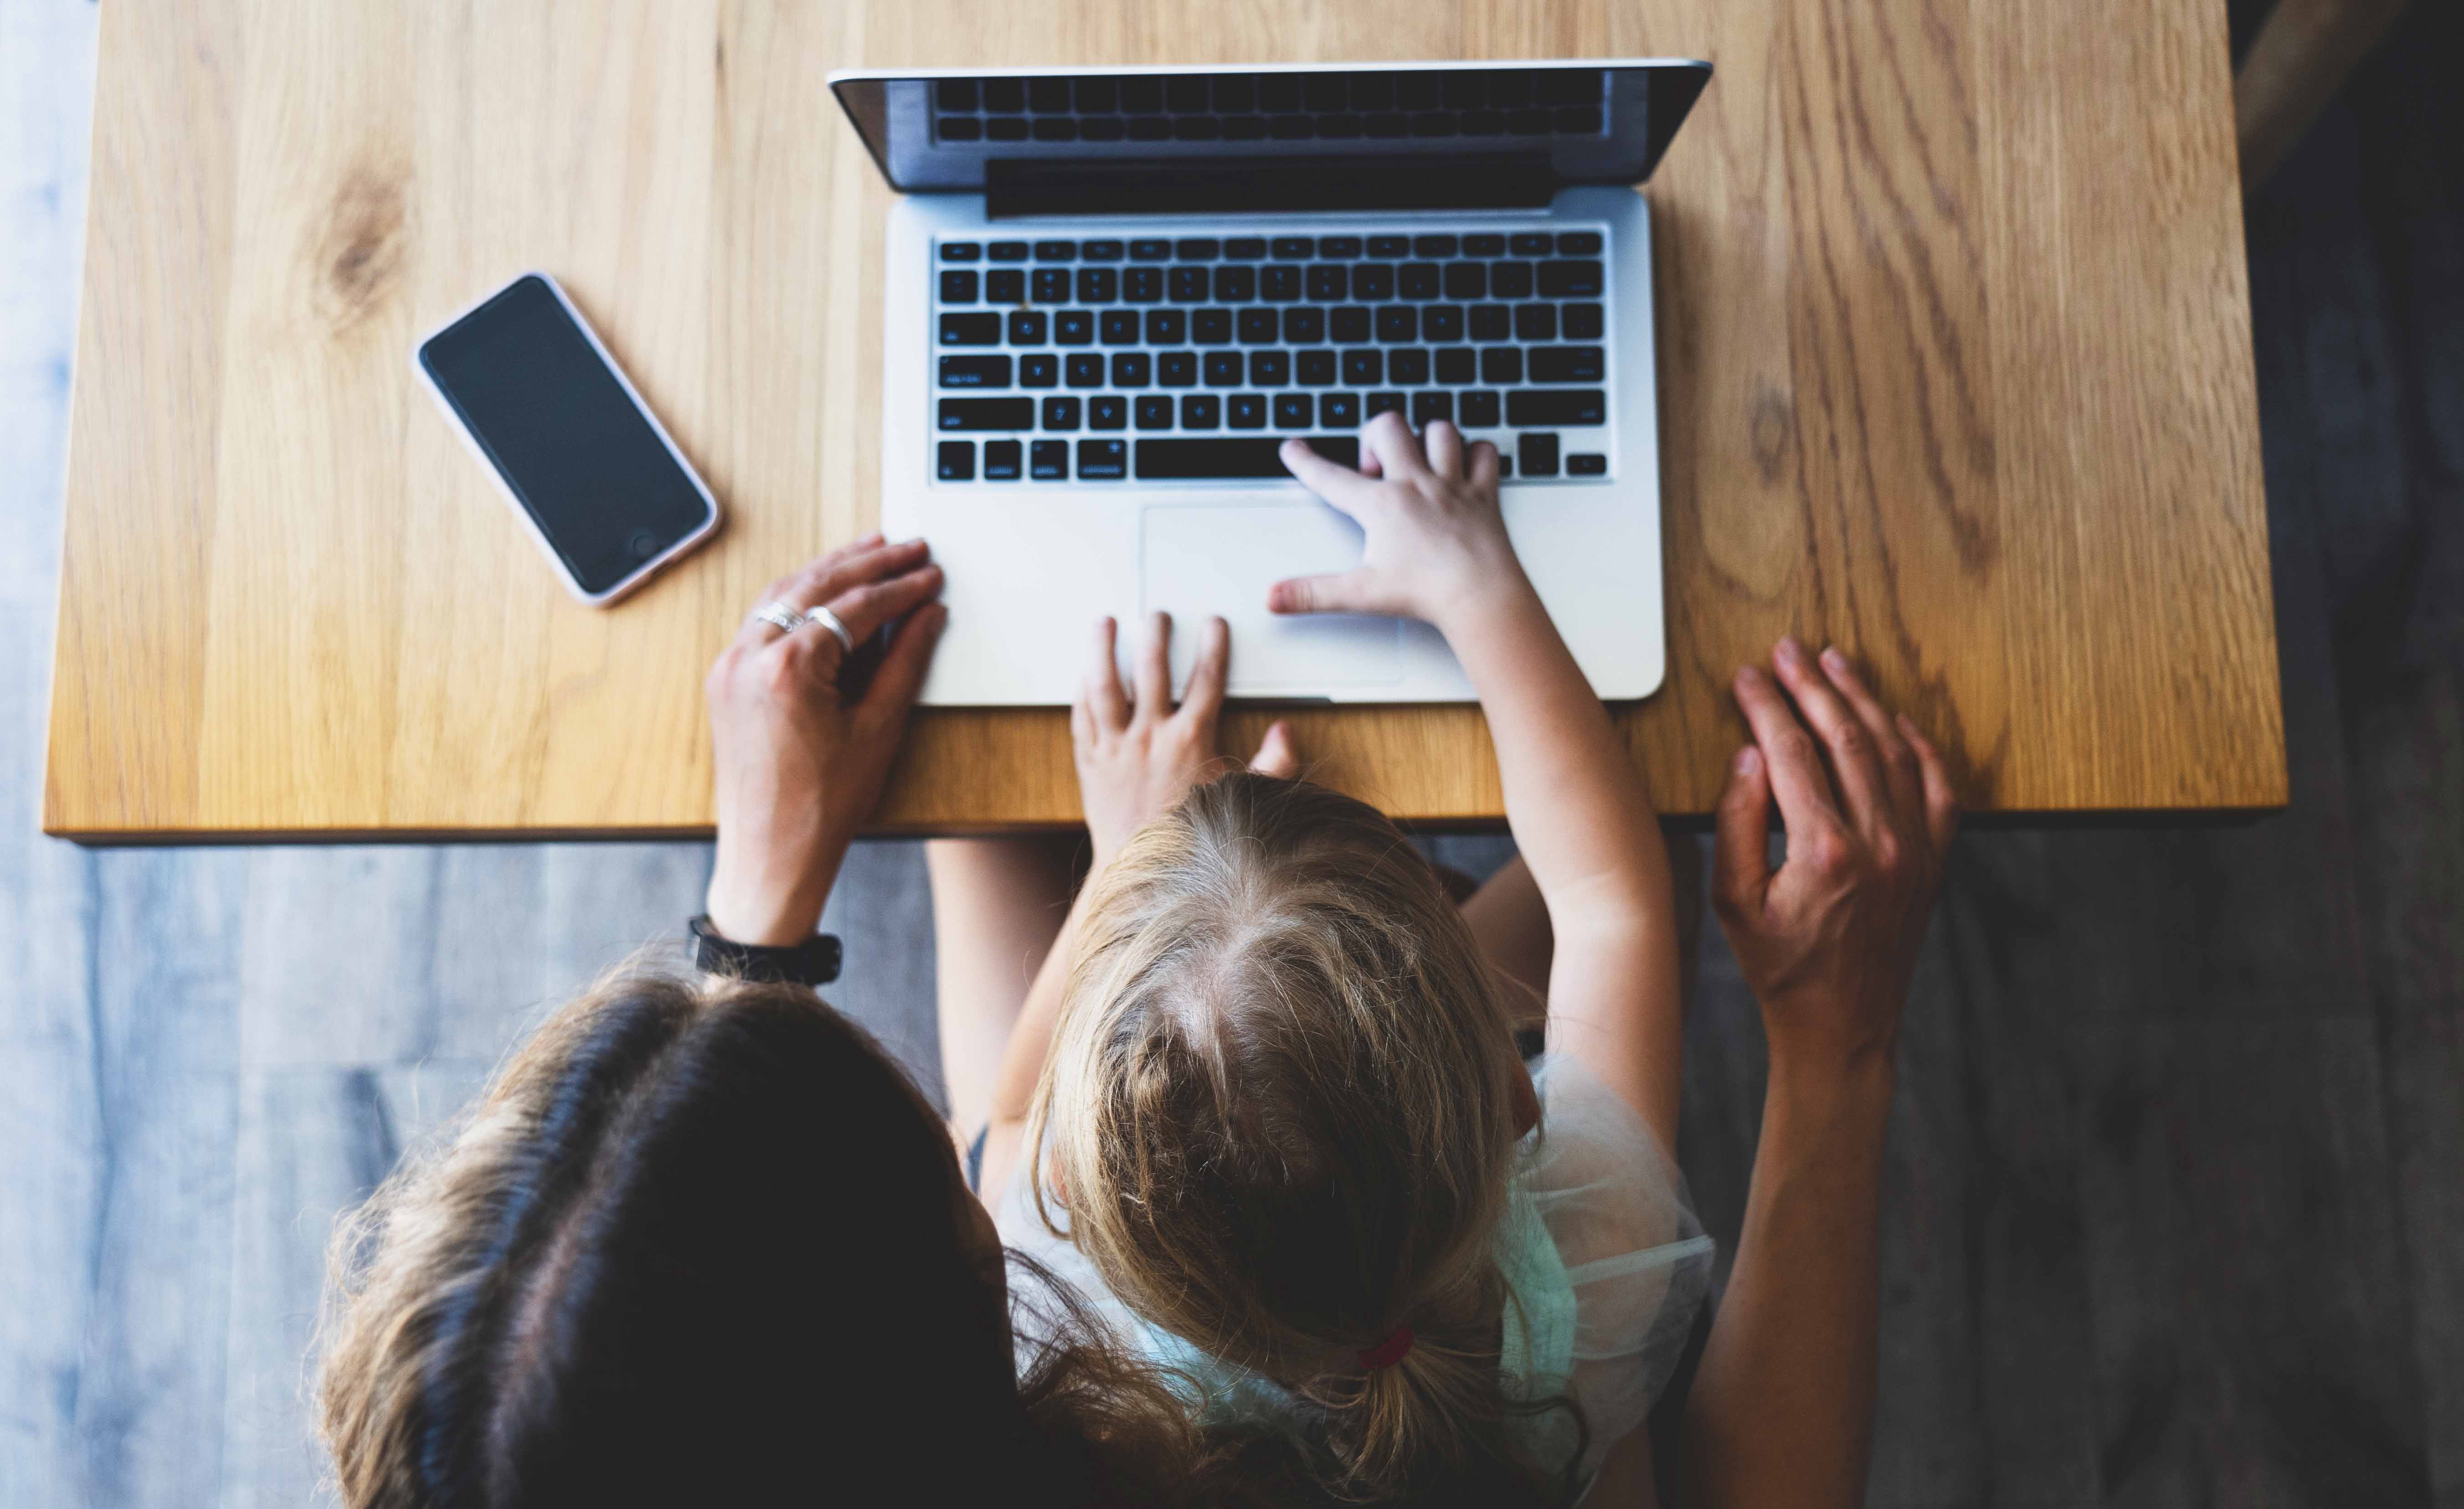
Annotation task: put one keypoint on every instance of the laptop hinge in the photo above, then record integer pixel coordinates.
(1016, 186)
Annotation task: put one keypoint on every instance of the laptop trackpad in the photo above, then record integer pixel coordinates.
(1200, 563)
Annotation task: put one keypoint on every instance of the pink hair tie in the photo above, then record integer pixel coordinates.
(1388, 1352)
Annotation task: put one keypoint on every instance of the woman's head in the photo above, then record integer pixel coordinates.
(686, 1244)
(1281, 1108)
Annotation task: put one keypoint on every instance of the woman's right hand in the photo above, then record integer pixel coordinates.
(1436, 540)
(1828, 942)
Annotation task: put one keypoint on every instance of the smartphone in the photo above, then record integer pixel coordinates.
(588, 467)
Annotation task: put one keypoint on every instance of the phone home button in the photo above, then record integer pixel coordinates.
(642, 543)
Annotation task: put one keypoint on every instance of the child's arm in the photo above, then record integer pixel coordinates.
(1437, 550)
(1138, 757)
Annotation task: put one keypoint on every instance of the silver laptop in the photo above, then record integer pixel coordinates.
(1113, 294)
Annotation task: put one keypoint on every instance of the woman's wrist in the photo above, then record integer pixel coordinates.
(768, 904)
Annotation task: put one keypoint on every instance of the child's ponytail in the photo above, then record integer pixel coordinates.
(1292, 1094)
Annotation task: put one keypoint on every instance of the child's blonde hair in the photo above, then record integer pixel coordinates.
(1281, 1113)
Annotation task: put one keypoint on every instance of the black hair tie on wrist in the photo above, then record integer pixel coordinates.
(813, 962)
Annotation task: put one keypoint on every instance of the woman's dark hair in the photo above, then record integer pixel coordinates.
(698, 1244)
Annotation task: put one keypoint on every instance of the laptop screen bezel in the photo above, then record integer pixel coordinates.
(1657, 99)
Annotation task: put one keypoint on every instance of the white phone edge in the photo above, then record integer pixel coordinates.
(709, 525)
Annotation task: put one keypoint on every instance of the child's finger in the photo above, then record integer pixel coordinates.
(1391, 440)
(1333, 481)
(1741, 851)
(1446, 445)
(1105, 699)
(1484, 465)
(1942, 806)
(1155, 672)
(1791, 756)
(1276, 756)
(1341, 592)
(1203, 696)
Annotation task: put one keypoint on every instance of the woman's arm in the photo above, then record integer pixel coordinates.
(1437, 550)
(1782, 1408)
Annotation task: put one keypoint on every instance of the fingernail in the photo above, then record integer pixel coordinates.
(1790, 651)
(1907, 724)
(1832, 658)
(1749, 760)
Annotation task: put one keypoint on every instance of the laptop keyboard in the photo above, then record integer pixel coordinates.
(1095, 359)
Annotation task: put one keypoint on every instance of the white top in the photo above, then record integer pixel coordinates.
(1604, 1262)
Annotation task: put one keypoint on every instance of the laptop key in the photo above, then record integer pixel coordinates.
(1177, 368)
(1364, 367)
(1377, 403)
(1098, 285)
(1571, 279)
(1201, 411)
(1001, 460)
(1118, 326)
(1408, 365)
(1245, 248)
(1151, 250)
(1292, 412)
(1059, 413)
(1435, 403)
(1210, 326)
(1154, 412)
(1583, 321)
(1166, 327)
(1142, 285)
(1224, 369)
(1103, 461)
(1339, 411)
(1292, 247)
(1246, 412)
(1130, 369)
(1235, 285)
(1329, 282)
(1040, 370)
(1568, 364)
(1083, 370)
(1101, 251)
(1314, 368)
(1587, 464)
(957, 460)
(1399, 323)
(1390, 246)
(1556, 406)
(1056, 251)
(1578, 243)
(1074, 327)
(960, 252)
(1478, 410)
(1008, 251)
(1304, 327)
(1048, 460)
(1107, 412)
(1342, 246)
(1028, 326)
(1051, 286)
(1418, 279)
(1373, 281)
(1466, 280)
(1278, 282)
(959, 286)
(1536, 454)
(1260, 327)
(987, 414)
(1511, 280)
(975, 372)
(1501, 364)
(1490, 322)
(1178, 459)
(1455, 365)
(1005, 285)
(1188, 285)
(1197, 249)
(1441, 323)
(1269, 369)
(1535, 322)
(1348, 325)
(1531, 243)
(1483, 246)
(971, 329)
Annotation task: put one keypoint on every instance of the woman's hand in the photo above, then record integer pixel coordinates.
(799, 765)
(1137, 759)
(1436, 540)
(1829, 941)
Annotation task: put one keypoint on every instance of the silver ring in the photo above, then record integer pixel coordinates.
(822, 615)
(781, 616)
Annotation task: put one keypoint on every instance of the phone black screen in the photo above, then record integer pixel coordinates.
(563, 434)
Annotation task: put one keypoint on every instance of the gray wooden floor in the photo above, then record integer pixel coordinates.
(2176, 1197)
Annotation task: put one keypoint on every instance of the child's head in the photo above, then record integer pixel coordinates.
(1282, 1107)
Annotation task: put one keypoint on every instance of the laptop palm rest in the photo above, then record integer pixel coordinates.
(1197, 562)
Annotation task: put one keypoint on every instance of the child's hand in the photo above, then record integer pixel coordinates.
(1137, 760)
(1436, 538)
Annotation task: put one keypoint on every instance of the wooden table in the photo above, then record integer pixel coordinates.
(1955, 352)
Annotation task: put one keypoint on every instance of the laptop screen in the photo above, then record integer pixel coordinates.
(1559, 122)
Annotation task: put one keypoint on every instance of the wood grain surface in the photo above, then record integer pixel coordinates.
(1955, 371)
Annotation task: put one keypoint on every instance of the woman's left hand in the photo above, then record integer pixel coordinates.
(799, 765)
(1137, 759)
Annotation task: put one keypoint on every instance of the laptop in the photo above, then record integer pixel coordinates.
(1111, 294)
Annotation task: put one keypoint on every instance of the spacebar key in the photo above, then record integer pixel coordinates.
(1242, 455)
